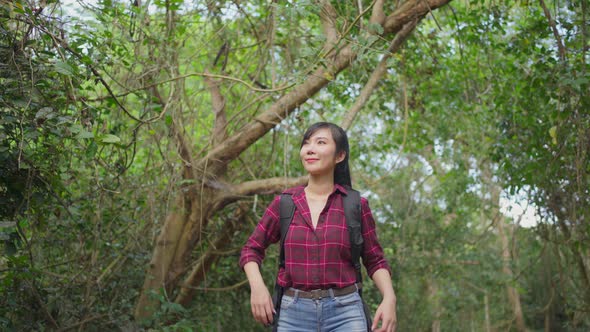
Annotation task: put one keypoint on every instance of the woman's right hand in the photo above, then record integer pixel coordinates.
(260, 300)
(261, 303)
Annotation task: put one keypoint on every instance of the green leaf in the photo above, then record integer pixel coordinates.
(45, 113)
(85, 134)
(553, 134)
(109, 139)
(91, 149)
(64, 68)
(376, 27)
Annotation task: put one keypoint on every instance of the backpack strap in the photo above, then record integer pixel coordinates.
(286, 211)
(352, 213)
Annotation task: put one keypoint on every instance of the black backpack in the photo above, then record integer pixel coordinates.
(352, 213)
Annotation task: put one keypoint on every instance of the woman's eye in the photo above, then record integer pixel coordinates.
(321, 142)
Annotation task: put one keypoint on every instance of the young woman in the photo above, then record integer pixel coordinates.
(317, 250)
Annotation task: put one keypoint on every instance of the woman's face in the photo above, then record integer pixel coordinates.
(318, 153)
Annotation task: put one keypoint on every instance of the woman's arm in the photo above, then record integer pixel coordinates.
(378, 269)
(386, 310)
(266, 232)
(260, 299)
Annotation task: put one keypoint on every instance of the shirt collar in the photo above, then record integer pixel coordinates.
(296, 191)
(341, 188)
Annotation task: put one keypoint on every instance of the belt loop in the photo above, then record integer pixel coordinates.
(296, 296)
(331, 293)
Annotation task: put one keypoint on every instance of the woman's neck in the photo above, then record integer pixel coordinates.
(320, 186)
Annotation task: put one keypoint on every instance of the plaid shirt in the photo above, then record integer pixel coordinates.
(320, 258)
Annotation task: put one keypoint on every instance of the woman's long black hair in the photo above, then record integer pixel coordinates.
(342, 170)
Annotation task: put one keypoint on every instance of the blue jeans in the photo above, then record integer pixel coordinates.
(331, 314)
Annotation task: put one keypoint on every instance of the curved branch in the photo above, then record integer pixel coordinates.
(558, 40)
(232, 147)
(228, 193)
(205, 75)
(63, 43)
(183, 146)
(184, 150)
(328, 18)
(201, 266)
(267, 186)
(409, 11)
(377, 14)
(218, 289)
(218, 105)
(377, 74)
(262, 187)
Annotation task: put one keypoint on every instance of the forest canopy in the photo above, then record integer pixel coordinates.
(140, 143)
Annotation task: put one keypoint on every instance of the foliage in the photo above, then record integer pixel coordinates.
(479, 98)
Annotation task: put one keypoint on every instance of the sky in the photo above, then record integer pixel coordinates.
(517, 208)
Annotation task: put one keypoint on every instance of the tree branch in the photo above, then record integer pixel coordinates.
(377, 74)
(199, 269)
(184, 149)
(267, 186)
(258, 127)
(83, 322)
(218, 104)
(560, 46)
(409, 11)
(328, 18)
(377, 14)
(218, 289)
(44, 308)
(59, 42)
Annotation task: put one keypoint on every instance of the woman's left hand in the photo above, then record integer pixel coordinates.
(386, 314)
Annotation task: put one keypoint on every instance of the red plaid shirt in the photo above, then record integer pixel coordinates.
(319, 258)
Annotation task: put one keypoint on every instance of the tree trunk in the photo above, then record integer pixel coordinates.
(435, 303)
(513, 295)
(486, 301)
(499, 222)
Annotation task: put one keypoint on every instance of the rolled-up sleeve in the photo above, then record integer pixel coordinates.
(373, 257)
(266, 232)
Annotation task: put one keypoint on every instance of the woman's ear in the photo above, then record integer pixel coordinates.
(340, 157)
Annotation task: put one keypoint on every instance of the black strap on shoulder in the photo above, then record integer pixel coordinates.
(286, 210)
(352, 213)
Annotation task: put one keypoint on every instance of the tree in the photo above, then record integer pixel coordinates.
(181, 231)
(546, 123)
